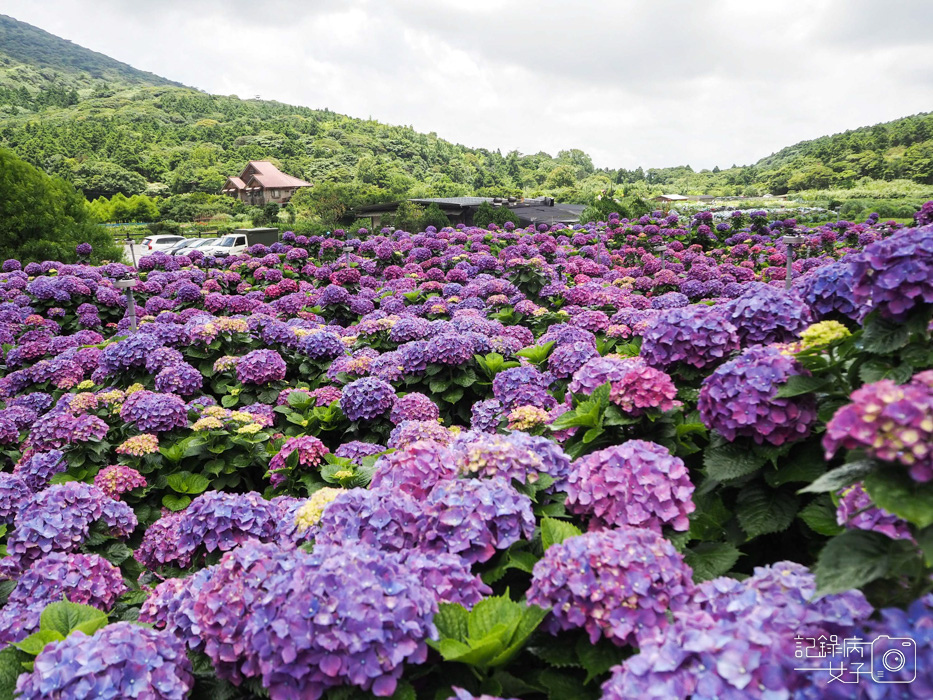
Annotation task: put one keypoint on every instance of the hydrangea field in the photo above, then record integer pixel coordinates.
(619, 460)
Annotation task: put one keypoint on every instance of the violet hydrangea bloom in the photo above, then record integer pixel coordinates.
(60, 429)
(121, 660)
(14, 492)
(448, 577)
(485, 416)
(737, 640)
(637, 483)
(698, 336)
(171, 607)
(355, 450)
(379, 518)
(567, 358)
(303, 623)
(828, 291)
(522, 386)
(367, 398)
(895, 274)
(764, 314)
(260, 367)
(618, 584)
(739, 399)
(39, 468)
(180, 378)
(513, 456)
(151, 412)
(414, 468)
(891, 422)
(322, 345)
(475, 517)
(59, 520)
(414, 406)
(88, 579)
(856, 510)
(410, 431)
(214, 521)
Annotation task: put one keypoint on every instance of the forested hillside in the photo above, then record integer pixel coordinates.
(109, 129)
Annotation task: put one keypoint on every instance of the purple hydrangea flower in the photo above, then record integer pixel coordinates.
(638, 483)
(523, 386)
(414, 469)
(890, 422)
(764, 314)
(171, 607)
(618, 584)
(151, 412)
(117, 479)
(214, 521)
(388, 520)
(739, 399)
(355, 450)
(895, 274)
(121, 660)
(61, 429)
(180, 378)
(260, 367)
(698, 336)
(367, 398)
(14, 492)
(322, 345)
(310, 451)
(856, 510)
(88, 579)
(567, 358)
(59, 520)
(485, 416)
(475, 517)
(414, 406)
(828, 291)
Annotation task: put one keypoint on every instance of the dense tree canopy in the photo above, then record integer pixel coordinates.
(44, 218)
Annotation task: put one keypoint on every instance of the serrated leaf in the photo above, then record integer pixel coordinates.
(175, 503)
(11, 666)
(561, 686)
(187, 483)
(490, 613)
(453, 395)
(799, 384)
(710, 560)
(556, 653)
(876, 370)
(64, 617)
(761, 510)
(451, 621)
(597, 658)
(858, 557)
(804, 464)
(556, 531)
(36, 642)
(728, 462)
(894, 491)
(883, 337)
(839, 477)
(820, 516)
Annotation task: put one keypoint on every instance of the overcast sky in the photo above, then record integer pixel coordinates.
(632, 82)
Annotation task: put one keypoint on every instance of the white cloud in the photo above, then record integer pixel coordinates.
(632, 82)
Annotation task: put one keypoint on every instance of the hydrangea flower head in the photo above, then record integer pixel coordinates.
(475, 517)
(891, 422)
(122, 659)
(309, 514)
(414, 468)
(260, 367)
(637, 483)
(367, 398)
(117, 479)
(618, 584)
(698, 336)
(739, 399)
(642, 388)
(152, 412)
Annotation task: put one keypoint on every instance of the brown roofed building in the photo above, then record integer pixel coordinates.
(261, 183)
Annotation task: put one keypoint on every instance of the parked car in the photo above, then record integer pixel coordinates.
(239, 240)
(188, 245)
(161, 242)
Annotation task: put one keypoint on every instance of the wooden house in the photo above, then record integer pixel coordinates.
(261, 183)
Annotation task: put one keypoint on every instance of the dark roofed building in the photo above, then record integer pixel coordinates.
(460, 210)
(261, 183)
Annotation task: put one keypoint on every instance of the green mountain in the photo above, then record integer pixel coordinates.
(109, 128)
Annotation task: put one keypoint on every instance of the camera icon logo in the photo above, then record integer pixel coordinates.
(893, 659)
